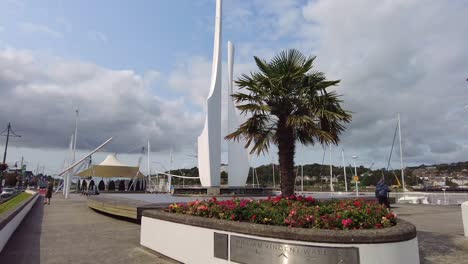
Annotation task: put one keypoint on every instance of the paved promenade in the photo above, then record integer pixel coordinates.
(440, 232)
(70, 232)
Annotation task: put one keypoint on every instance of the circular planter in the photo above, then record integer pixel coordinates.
(193, 239)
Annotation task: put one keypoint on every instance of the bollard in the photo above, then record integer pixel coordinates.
(464, 209)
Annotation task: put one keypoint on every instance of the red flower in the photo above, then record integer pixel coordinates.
(233, 217)
(378, 225)
(254, 217)
(357, 203)
(390, 216)
(347, 222)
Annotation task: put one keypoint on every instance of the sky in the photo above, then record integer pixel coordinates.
(140, 70)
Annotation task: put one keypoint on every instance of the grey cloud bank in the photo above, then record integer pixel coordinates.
(40, 97)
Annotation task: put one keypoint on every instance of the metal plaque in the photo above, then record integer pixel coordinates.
(247, 250)
(221, 246)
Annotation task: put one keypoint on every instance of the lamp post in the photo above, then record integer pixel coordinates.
(356, 176)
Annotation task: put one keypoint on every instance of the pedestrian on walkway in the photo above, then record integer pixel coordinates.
(381, 193)
(48, 195)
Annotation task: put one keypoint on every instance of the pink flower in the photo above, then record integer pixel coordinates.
(243, 203)
(347, 222)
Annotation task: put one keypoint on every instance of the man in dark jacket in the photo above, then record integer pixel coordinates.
(381, 192)
(48, 196)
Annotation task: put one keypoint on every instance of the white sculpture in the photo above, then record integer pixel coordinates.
(209, 142)
(238, 161)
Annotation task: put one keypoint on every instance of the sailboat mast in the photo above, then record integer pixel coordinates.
(401, 155)
(273, 166)
(148, 165)
(344, 171)
(76, 134)
(170, 175)
(331, 171)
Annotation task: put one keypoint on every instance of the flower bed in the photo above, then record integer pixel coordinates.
(294, 211)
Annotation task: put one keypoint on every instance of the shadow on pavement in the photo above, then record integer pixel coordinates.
(24, 246)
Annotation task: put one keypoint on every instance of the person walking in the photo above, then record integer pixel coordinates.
(381, 193)
(48, 196)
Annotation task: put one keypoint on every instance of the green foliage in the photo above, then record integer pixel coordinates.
(288, 101)
(13, 202)
(287, 89)
(294, 211)
(450, 183)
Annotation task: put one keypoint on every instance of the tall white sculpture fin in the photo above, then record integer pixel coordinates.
(238, 160)
(209, 142)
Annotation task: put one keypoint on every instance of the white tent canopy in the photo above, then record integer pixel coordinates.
(111, 167)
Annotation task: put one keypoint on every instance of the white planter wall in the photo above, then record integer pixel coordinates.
(464, 211)
(192, 244)
(9, 229)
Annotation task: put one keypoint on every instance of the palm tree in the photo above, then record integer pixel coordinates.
(287, 101)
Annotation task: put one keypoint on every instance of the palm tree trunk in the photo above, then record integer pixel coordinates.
(286, 149)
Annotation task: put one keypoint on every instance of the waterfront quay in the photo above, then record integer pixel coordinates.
(68, 231)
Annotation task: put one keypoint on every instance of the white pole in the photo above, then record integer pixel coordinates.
(148, 165)
(76, 133)
(69, 181)
(67, 177)
(401, 155)
(253, 177)
(256, 176)
(355, 173)
(344, 171)
(302, 178)
(331, 170)
(169, 178)
(148, 168)
(273, 166)
(91, 153)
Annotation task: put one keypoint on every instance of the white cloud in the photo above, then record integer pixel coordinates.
(39, 29)
(65, 24)
(97, 36)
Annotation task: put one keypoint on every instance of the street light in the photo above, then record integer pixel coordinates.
(355, 175)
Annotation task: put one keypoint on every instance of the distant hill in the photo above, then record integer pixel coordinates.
(318, 174)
